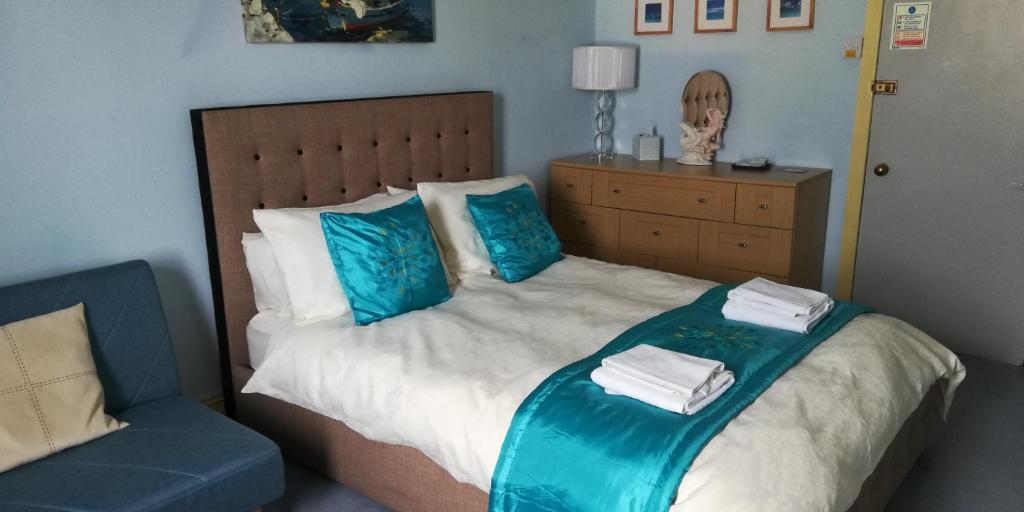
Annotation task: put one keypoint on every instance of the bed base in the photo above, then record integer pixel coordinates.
(404, 479)
(902, 453)
(398, 477)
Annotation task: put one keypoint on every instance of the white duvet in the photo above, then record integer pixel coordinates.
(448, 380)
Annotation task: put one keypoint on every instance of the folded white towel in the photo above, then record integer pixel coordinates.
(615, 383)
(735, 310)
(769, 308)
(670, 380)
(800, 301)
(672, 371)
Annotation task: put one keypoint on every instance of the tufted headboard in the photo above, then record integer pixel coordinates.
(317, 154)
(707, 89)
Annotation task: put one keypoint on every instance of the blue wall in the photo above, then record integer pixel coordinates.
(96, 157)
(793, 93)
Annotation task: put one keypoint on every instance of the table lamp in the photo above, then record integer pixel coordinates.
(605, 69)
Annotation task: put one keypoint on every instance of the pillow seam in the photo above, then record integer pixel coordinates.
(31, 392)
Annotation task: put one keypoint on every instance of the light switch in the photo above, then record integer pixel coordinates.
(853, 47)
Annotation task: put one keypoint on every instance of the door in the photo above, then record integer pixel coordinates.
(942, 233)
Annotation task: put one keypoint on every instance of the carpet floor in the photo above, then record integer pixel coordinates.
(976, 463)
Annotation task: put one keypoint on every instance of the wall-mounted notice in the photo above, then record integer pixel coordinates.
(910, 25)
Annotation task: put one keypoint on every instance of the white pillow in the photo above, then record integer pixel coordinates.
(465, 252)
(267, 281)
(301, 253)
(448, 274)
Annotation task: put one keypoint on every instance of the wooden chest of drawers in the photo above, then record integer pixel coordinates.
(709, 222)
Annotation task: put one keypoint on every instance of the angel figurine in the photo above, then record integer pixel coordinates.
(700, 144)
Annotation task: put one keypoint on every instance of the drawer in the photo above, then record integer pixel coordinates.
(760, 205)
(709, 200)
(585, 224)
(712, 273)
(749, 248)
(610, 255)
(571, 185)
(659, 235)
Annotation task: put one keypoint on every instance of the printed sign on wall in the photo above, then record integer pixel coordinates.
(910, 25)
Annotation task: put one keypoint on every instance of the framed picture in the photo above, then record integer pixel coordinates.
(338, 21)
(652, 17)
(790, 15)
(714, 15)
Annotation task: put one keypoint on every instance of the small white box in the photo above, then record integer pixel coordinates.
(647, 147)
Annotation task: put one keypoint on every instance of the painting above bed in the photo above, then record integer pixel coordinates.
(341, 21)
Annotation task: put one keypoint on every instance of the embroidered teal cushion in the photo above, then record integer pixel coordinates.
(387, 261)
(517, 235)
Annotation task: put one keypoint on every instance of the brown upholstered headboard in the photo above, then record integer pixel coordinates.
(315, 154)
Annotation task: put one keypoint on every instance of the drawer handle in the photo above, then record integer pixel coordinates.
(763, 206)
(656, 233)
(616, 191)
(743, 245)
(583, 221)
(702, 201)
(569, 185)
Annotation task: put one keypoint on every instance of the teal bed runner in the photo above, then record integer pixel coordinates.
(572, 447)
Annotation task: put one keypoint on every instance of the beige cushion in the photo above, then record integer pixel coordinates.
(50, 397)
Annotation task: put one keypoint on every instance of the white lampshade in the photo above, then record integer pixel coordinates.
(603, 68)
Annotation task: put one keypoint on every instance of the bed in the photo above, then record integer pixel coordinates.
(433, 455)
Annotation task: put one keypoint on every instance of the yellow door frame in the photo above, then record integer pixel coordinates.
(859, 148)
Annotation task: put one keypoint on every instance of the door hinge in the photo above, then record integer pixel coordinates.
(884, 86)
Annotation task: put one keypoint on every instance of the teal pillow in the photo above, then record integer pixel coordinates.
(387, 261)
(515, 231)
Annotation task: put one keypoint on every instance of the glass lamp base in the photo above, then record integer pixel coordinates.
(604, 146)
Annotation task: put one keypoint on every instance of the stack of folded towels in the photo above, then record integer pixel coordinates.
(763, 302)
(673, 381)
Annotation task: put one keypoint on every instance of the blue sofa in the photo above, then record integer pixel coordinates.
(177, 454)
